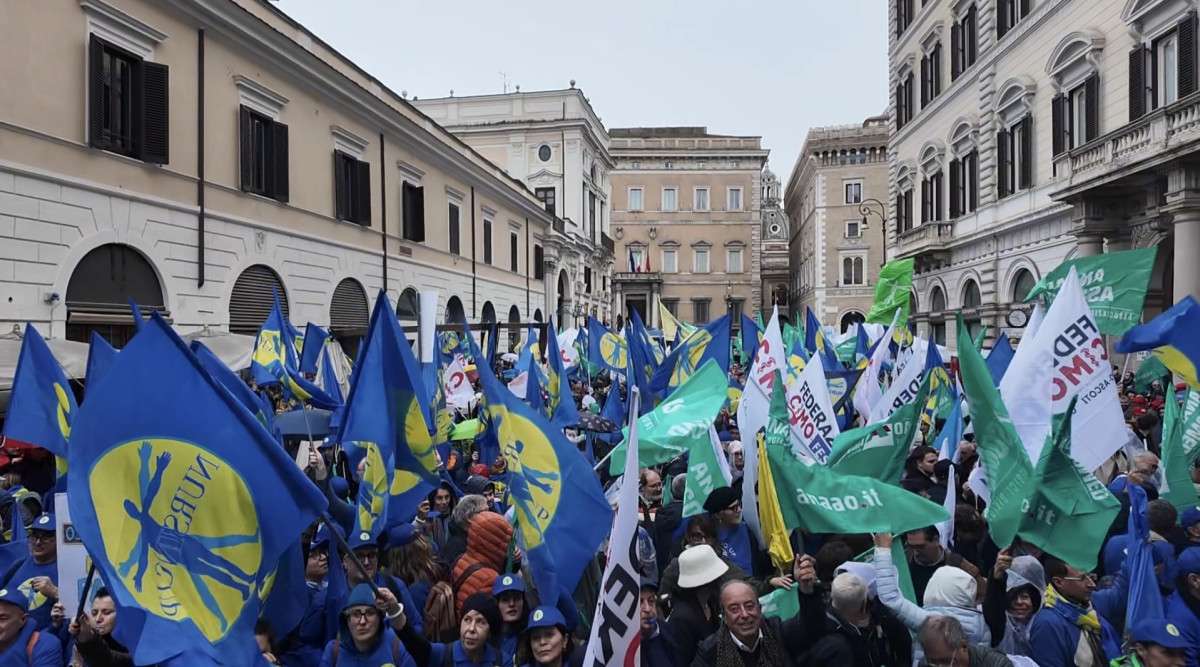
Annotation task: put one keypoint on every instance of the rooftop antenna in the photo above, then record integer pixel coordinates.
(504, 81)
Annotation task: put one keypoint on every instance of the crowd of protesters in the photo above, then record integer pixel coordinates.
(450, 589)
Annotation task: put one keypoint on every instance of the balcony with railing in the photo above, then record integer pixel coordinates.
(1157, 134)
(627, 277)
(607, 243)
(928, 237)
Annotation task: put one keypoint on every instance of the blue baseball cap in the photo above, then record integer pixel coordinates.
(45, 523)
(321, 538)
(1158, 631)
(507, 583)
(546, 617)
(14, 597)
(1188, 561)
(1190, 517)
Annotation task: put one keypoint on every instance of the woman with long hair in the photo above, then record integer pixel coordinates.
(410, 558)
(545, 642)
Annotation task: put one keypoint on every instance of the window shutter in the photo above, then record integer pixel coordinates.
(362, 193)
(924, 81)
(341, 198)
(95, 91)
(971, 38)
(246, 142)
(155, 126)
(1002, 160)
(1187, 55)
(1026, 166)
(1137, 83)
(1024, 9)
(1000, 27)
(900, 105)
(955, 184)
(956, 51)
(1058, 123)
(1091, 94)
(926, 200)
(279, 170)
(972, 177)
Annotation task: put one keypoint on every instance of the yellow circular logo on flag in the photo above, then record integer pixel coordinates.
(613, 350)
(687, 363)
(162, 506)
(535, 482)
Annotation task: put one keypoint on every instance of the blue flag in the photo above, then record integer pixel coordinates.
(186, 512)
(562, 515)
(751, 336)
(41, 408)
(605, 348)
(709, 342)
(384, 422)
(1000, 356)
(533, 389)
(526, 354)
(274, 349)
(614, 410)
(493, 341)
(287, 597)
(234, 385)
(310, 352)
(561, 406)
(1144, 600)
(1172, 336)
(100, 356)
(329, 381)
(136, 313)
(17, 547)
(862, 348)
(946, 442)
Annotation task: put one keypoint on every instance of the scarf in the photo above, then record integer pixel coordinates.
(1088, 622)
(729, 655)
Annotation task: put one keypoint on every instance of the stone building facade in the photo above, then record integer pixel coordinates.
(834, 199)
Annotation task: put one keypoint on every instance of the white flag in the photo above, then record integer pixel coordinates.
(810, 412)
(946, 528)
(519, 385)
(566, 347)
(616, 627)
(904, 388)
(454, 380)
(867, 392)
(753, 411)
(1068, 353)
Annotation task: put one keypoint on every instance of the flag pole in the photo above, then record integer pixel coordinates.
(87, 586)
(341, 542)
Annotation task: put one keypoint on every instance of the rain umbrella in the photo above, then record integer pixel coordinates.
(304, 422)
(72, 355)
(234, 350)
(596, 423)
(466, 430)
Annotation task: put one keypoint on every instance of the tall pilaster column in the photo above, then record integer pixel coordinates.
(1187, 253)
(1089, 245)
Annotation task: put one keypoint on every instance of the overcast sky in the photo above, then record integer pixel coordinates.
(771, 68)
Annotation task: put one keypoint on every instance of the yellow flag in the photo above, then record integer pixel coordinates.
(770, 515)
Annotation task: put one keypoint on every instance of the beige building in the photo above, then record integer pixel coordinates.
(554, 142)
(197, 156)
(1027, 133)
(834, 199)
(774, 270)
(686, 219)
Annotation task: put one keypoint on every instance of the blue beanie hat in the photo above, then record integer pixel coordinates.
(361, 596)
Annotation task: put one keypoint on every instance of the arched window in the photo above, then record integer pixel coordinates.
(937, 323)
(252, 298)
(349, 315)
(408, 305)
(100, 288)
(970, 295)
(937, 300)
(488, 314)
(454, 311)
(850, 319)
(514, 326)
(852, 271)
(1022, 285)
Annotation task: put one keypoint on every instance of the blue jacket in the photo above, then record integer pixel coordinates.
(1185, 617)
(1054, 636)
(458, 656)
(20, 576)
(658, 650)
(508, 649)
(387, 650)
(47, 651)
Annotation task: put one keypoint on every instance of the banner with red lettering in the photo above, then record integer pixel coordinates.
(1068, 349)
(753, 410)
(904, 387)
(810, 412)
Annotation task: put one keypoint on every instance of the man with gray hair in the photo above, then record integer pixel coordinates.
(858, 632)
(456, 541)
(945, 643)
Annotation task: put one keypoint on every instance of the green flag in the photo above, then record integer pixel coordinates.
(1070, 511)
(1114, 284)
(1008, 468)
(1150, 370)
(845, 350)
(1180, 447)
(672, 427)
(780, 603)
(703, 475)
(878, 450)
(892, 292)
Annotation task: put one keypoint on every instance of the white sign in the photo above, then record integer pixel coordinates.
(72, 559)
(810, 413)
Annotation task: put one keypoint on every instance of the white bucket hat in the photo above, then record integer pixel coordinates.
(700, 565)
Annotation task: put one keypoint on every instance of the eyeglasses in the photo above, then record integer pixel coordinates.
(1087, 576)
(35, 536)
(361, 614)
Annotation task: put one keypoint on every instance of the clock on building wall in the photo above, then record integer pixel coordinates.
(544, 153)
(1017, 318)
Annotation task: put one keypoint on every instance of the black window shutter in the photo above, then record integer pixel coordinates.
(362, 192)
(1024, 9)
(925, 200)
(341, 197)
(924, 81)
(155, 126)
(95, 91)
(972, 177)
(1187, 55)
(1001, 28)
(1059, 123)
(956, 51)
(279, 168)
(971, 37)
(1137, 83)
(246, 142)
(1002, 159)
(1091, 111)
(900, 119)
(1026, 165)
(955, 185)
